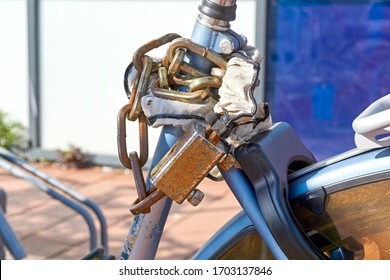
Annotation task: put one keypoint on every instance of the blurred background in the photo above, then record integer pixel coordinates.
(62, 64)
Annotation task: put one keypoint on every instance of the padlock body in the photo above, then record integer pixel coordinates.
(185, 165)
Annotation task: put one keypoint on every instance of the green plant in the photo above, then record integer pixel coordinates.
(11, 132)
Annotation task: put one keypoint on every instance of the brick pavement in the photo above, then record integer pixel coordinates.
(49, 230)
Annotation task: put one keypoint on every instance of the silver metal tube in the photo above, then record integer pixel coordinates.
(224, 2)
(215, 23)
(33, 9)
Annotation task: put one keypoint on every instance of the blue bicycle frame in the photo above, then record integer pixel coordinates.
(282, 170)
(146, 249)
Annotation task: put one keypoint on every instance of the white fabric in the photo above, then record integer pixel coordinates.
(158, 111)
(236, 97)
(236, 103)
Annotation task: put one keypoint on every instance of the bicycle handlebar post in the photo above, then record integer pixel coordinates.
(217, 14)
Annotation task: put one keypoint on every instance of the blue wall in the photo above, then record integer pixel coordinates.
(326, 62)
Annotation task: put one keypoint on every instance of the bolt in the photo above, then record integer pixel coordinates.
(228, 162)
(226, 46)
(195, 197)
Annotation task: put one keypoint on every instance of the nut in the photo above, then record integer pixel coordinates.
(195, 197)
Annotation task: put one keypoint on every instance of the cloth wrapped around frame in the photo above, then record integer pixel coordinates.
(236, 116)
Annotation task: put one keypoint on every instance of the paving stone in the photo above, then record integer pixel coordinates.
(25, 201)
(40, 246)
(26, 226)
(52, 231)
(75, 252)
(14, 186)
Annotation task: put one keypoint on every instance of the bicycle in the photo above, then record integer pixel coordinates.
(293, 206)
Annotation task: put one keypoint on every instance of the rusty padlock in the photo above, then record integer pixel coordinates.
(187, 164)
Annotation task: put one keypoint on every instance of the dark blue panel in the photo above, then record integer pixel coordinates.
(326, 62)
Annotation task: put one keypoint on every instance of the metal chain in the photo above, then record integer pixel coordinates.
(173, 72)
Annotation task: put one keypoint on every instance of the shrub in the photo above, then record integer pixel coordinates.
(11, 132)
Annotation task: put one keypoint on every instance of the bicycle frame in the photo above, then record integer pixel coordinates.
(143, 241)
(266, 199)
(147, 238)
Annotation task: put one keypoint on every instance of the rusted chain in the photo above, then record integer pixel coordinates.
(176, 80)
